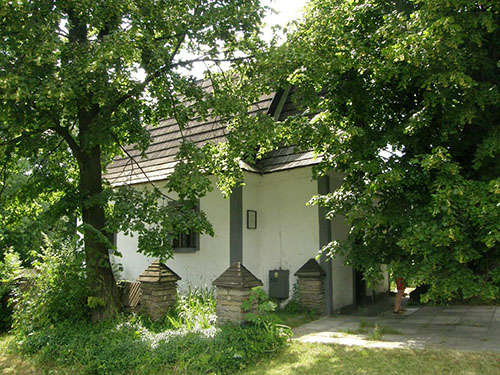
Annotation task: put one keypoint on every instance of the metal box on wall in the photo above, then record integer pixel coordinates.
(279, 286)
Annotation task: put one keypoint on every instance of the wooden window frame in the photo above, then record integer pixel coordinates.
(195, 238)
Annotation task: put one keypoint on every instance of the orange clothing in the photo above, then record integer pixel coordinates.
(400, 283)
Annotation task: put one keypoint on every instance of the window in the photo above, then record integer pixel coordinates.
(186, 242)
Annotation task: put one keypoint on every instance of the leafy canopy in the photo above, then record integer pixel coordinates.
(408, 111)
(80, 80)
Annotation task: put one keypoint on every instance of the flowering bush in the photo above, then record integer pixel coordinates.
(187, 341)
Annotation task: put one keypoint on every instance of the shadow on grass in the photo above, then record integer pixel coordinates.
(129, 347)
(315, 359)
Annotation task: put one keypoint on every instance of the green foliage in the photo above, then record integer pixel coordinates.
(402, 98)
(186, 342)
(155, 219)
(293, 318)
(194, 310)
(10, 270)
(94, 302)
(258, 300)
(81, 80)
(57, 294)
(263, 319)
(23, 219)
(379, 331)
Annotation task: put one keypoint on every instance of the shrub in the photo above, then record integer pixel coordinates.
(193, 311)
(127, 346)
(134, 345)
(57, 294)
(260, 299)
(10, 270)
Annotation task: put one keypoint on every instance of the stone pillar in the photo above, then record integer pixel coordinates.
(233, 287)
(311, 285)
(158, 289)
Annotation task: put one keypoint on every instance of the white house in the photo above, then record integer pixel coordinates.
(266, 224)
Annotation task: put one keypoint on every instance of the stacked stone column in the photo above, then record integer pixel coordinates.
(159, 290)
(311, 286)
(233, 287)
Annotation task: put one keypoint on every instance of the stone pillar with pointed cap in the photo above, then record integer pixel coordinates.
(159, 289)
(233, 287)
(311, 286)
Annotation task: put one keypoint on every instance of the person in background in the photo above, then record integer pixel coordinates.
(400, 284)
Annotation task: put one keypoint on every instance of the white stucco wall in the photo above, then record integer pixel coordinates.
(342, 275)
(383, 285)
(343, 284)
(196, 269)
(287, 233)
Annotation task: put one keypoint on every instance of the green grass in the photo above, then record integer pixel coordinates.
(373, 332)
(293, 319)
(186, 341)
(127, 346)
(14, 364)
(310, 359)
(316, 359)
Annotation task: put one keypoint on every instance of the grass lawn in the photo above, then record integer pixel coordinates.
(312, 359)
(293, 319)
(17, 365)
(321, 359)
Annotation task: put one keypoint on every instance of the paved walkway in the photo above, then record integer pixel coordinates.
(470, 328)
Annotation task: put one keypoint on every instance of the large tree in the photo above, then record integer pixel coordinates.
(79, 80)
(403, 98)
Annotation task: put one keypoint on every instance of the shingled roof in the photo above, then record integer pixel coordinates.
(237, 276)
(158, 272)
(160, 160)
(310, 269)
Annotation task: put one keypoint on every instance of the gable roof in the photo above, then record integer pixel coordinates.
(160, 160)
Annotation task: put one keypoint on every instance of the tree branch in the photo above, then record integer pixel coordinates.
(141, 86)
(41, 162)
(209, 59)
(66, 135)
(4, 174)
(13, 142)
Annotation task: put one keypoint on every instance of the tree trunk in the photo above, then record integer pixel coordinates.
(104, 301)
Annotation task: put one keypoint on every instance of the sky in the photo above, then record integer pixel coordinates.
(288, 10)
(285, 11)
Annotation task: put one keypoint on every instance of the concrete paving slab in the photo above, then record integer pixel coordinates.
(446, 319)
(496, 315)
(465, 328)
(480, 316)
(479, 309)
(418, 321)
(453, 313)
(457, 308)
(495, 326)
(474, 323)
(430, 310)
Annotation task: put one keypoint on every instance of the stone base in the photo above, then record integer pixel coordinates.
(157, 298)
(312, 294)
(229, 302)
